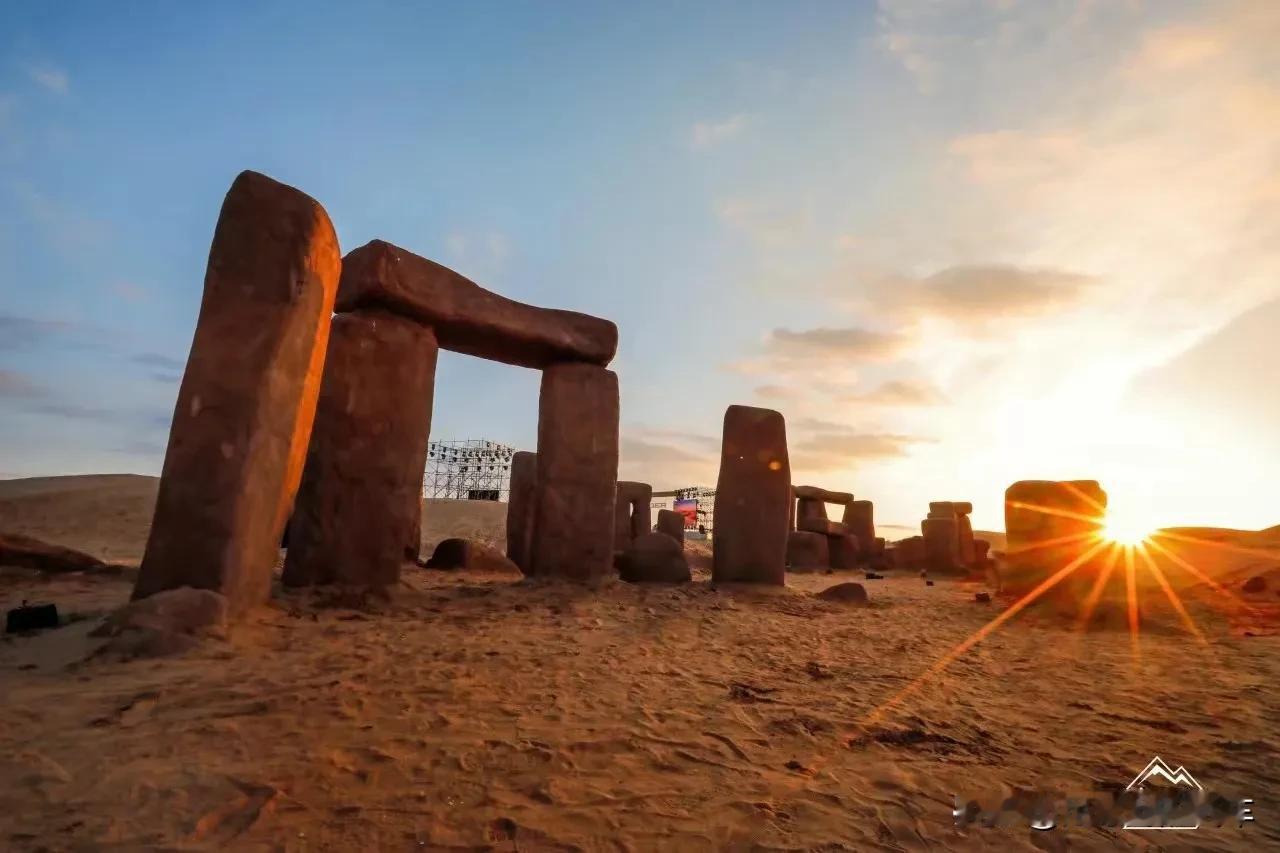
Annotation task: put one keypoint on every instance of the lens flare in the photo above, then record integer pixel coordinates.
(1125, 530)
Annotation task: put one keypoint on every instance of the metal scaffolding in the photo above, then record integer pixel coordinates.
(473, 469)
(705, 504)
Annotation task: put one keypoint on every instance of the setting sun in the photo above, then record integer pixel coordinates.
(1126, 531)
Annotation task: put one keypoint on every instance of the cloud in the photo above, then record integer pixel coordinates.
(53, 79)
(14, 384)
(776, 392)
(837, 447)
(848, 342)
(668, 459)
(980, 292)
(129, 292)
(22, 332)
(481, 254)
(902, 392)
(763, 222)
(163, 362)
(707, 134)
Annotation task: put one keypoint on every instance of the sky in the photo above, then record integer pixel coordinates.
(957, 243)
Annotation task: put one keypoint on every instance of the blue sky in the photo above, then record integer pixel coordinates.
(925, 231)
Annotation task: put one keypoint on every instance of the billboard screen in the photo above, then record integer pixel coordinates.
(689, 509)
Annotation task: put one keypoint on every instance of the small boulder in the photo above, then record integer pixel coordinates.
(654, 558)
(169, 622)
(453, 554)
(28, 552)
(982, 597)
(671, 523)
(1255, 584)
(846, 593)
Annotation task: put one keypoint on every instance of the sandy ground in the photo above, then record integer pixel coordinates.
(486, 712)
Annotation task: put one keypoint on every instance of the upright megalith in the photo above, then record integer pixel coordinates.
(521, 504)
(671, 523)
(577, 471)
(360, 501)
(1049, 524)
(941, 531)
(633, 515)
(859, 518)
(806, 550)
(752, 493)
(248, 396)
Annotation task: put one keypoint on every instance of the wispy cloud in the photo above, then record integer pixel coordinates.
(849, 342)
(767, 224)
(707, 134)
(901, 392)
(978, 292)
(18, 332)
(49, 77)
(14, 384)
(157, 360)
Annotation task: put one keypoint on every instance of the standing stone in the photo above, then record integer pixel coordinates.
(752, 490)
(859, 518)
(671, 523)
(248, 396)
(577, 471)
(632, 513)
(968, 553)
(361, 496)
(940, 543)
(520, 508)
(1049, 523)
(844, 550)
(807, 550)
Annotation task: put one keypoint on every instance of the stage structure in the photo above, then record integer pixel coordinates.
(696, 503)
(473, 469)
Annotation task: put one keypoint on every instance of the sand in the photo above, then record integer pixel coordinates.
(485, 712)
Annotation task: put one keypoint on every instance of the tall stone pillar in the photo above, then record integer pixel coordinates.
(248, 396)
(859, 518)
(361, 496)
(521, 507)
(577, 471)
(752, 492)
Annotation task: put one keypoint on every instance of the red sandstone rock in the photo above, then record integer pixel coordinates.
(1049, 524)
(632, 513)
(467, 318)
(966, 552)
(654, 558)
(30, 553)
(752, 491)
(248, 396)
(468, 554)
(845, 593)
(941, 543)
(671, 523)
(817, 494)
(520, 508)
(360, 501)
(822, 525)
(577, 471)
(909, 553)
(859, 520)
(844, 549)
(807, 551)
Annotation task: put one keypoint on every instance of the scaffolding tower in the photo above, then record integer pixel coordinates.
(472, 469)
